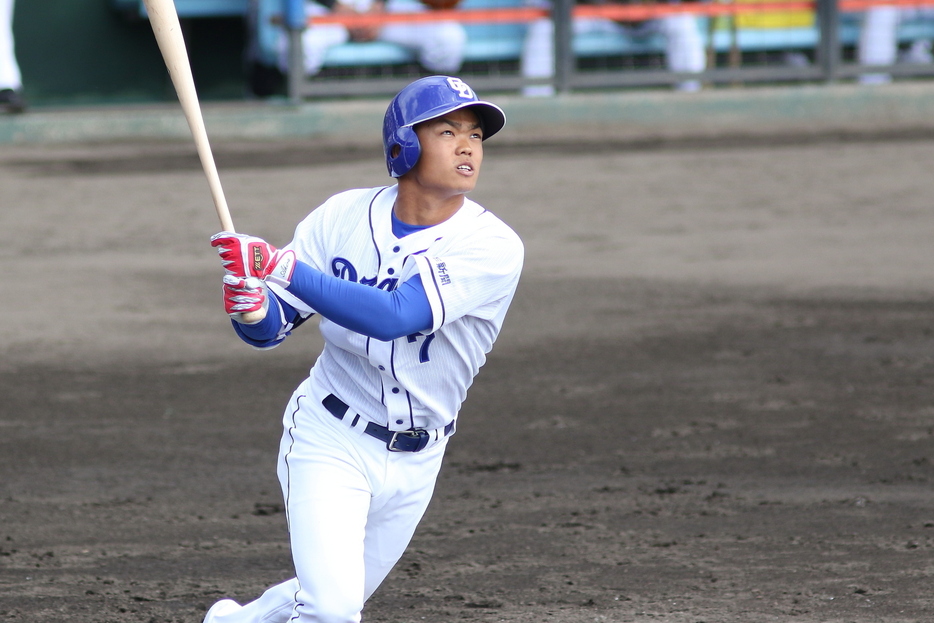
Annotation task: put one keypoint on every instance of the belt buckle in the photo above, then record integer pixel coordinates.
(419, 435)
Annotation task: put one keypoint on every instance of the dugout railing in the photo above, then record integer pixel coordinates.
(826, 44)
(746, 42)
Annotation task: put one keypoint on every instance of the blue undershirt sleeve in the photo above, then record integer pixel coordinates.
(270, 331)
(380, 314)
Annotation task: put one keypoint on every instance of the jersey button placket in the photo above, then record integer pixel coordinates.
(394, 396)
(397, 404)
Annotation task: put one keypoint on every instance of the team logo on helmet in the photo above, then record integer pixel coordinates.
(462, 88)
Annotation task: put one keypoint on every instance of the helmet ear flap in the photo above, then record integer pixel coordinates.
(409, 149)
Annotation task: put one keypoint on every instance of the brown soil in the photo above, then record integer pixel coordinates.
(711, 401)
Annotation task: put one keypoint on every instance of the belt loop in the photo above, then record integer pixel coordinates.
(335, 405)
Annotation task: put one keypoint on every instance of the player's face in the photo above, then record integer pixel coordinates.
(451, 153)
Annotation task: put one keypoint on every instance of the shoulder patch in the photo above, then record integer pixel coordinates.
(441, 269)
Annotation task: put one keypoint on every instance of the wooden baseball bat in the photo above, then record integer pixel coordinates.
(168, 30)
(165, 25)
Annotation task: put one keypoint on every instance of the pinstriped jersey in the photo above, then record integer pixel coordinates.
(469, 266)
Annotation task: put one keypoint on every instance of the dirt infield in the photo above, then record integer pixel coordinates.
(711, 401)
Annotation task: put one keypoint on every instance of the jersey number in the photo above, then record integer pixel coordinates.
(423, 350)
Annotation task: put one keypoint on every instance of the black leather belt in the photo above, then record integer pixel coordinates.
(411, 440)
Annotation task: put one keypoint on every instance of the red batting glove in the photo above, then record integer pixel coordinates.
(249, 256)
(242, 296)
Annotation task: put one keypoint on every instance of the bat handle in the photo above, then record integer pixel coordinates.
(210, 171)
(220, 202)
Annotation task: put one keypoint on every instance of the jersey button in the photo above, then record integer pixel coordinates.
(398, 421)
(382, 368)
(395, 390)
(395, 249)
(391, 271)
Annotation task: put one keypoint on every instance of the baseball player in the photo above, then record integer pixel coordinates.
(684, 46)
(878, 40)
(11, 81)
(411, 282)
(438, 45)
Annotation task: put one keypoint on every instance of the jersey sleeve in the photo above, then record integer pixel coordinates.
(476, 279)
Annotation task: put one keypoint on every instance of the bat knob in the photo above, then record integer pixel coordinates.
(253, 317)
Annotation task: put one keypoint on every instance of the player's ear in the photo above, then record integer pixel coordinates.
(396, 150)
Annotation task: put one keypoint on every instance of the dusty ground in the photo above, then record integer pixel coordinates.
(711, 403)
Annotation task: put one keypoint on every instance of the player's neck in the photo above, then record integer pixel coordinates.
(424, 208)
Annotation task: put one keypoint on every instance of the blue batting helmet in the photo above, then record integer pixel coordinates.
(424, 99)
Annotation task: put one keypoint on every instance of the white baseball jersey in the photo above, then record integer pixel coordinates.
(469, 266)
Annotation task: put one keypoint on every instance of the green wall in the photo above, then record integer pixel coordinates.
(74, 52)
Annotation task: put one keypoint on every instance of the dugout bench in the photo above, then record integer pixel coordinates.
(498, 46)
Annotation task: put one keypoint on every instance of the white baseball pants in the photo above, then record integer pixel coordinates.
(439, 46)
(10, 77)
(352, 508)
(684, 47)
(878, 40)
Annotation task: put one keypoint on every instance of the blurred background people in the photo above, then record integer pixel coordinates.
(684, 46)
(878, 41)
(438, 46)
(11, 81)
